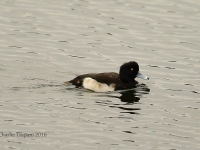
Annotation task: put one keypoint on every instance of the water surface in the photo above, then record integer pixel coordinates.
(45, 43)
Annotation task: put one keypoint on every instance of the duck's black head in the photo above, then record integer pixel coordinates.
(129, 71)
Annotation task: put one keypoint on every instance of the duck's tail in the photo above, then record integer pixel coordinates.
(68, 82)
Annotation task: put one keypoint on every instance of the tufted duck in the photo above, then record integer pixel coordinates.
(110, 81)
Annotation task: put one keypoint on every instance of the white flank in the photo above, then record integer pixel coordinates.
(93, 85)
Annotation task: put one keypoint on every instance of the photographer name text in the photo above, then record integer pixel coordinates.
(23, 134)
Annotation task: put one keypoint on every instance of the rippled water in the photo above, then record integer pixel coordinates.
(45, 43)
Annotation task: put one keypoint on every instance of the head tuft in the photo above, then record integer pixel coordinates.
(128, 71)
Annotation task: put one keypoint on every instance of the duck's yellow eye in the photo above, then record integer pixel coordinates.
(132, 69)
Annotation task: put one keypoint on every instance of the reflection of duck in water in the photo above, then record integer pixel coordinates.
(128, 97)
(110, 81)
(134, 95)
